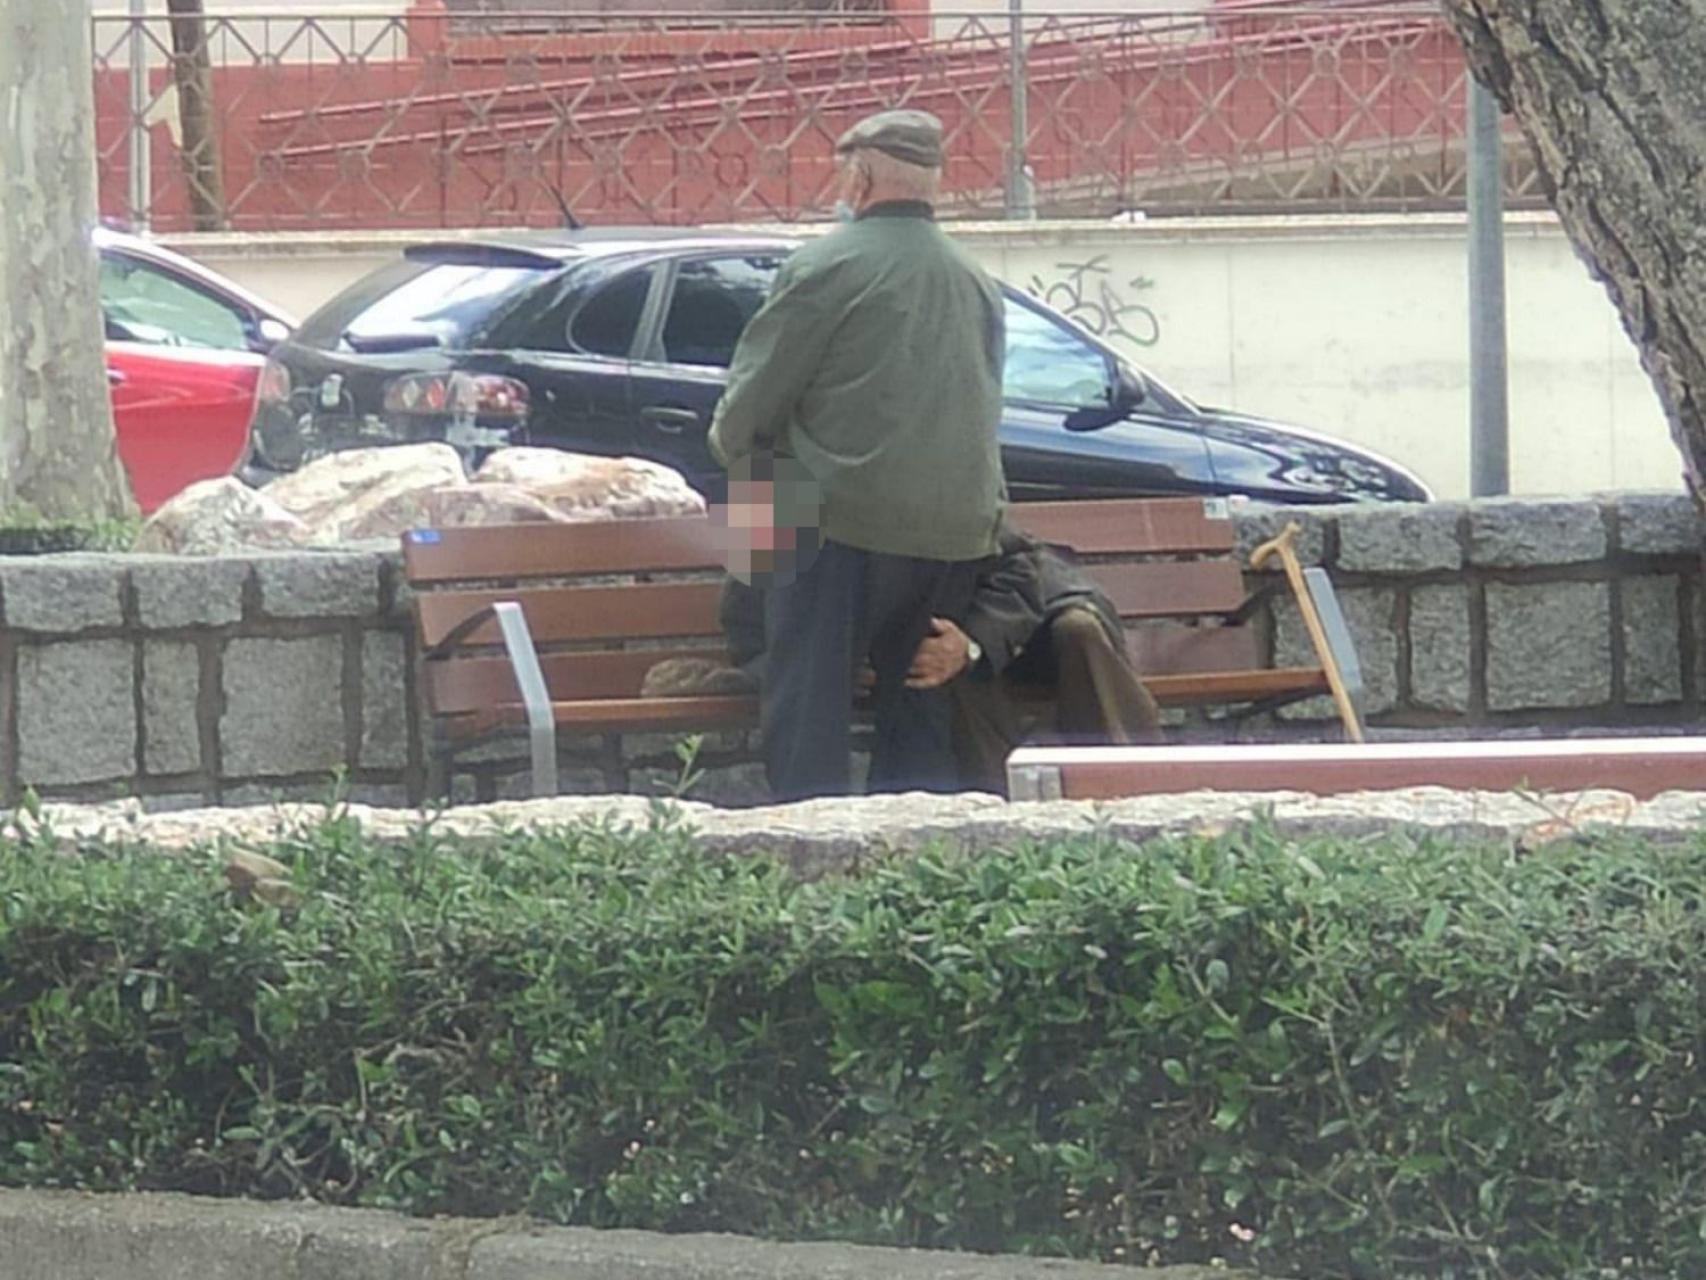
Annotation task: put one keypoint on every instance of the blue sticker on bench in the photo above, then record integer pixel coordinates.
(426, 536)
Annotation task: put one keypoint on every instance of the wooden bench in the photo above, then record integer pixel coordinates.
(513, 635)
(1643, 767)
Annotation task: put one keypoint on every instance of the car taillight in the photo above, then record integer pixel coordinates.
(275, 384)
(479, 395)
(487, 395)
(418, 393)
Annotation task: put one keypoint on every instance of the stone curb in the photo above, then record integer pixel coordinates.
(819, 836)
(51, 1235)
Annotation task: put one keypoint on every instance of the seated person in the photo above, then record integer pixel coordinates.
(1039, 656)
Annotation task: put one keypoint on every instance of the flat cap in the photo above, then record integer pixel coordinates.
(914, 137)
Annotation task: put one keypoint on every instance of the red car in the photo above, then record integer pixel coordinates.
(185, 350)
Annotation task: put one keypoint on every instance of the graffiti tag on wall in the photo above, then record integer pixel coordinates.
(1090, 293)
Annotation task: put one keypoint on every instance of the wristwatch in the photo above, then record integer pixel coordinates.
(974, 653)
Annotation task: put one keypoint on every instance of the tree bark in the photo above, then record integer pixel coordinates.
(1612, 93)
(58, 453)
(192, 69)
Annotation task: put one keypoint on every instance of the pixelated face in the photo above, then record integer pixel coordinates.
(852, 179)
(767, 529)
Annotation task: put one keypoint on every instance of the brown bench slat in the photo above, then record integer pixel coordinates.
(660, 609)
(1235, 686)
(1161, 589)
(467, 684)
(544, 550)
(1163, 650)
(619, 715)
(1132, 525)
(1643, 767)
(1172, 588)
(624, 714)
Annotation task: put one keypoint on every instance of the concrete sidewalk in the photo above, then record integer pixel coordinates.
(49, 1235)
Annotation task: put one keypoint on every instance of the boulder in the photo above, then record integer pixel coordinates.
(457, 506)
(530, 466)
(217, 517)
(585, 486)
(378, 494)
(341, 488)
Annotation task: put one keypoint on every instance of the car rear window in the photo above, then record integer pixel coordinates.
(443, 301)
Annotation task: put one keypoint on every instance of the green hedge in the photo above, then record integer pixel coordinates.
(1363, 1058)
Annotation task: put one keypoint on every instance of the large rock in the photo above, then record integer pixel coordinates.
(217, 517)
(587, 487)
(448, 508)
(379, 494)
(342, 488)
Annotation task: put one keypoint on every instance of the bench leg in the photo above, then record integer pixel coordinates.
(438, 774)
(530, 680)
(1033, 781)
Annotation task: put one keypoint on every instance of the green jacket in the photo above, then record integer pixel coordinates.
(876, 362)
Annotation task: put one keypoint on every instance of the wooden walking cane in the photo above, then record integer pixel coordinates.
(1287, 553)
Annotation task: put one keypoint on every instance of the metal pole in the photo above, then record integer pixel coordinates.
(141, 155)
(1489, 403)
(1021, 200)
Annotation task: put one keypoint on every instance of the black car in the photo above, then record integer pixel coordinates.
(617, 342)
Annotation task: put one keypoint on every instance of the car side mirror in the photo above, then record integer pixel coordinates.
(268, 334)
(1127, 392)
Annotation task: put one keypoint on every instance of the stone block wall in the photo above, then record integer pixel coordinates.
(1510, 616)
(236, 680)
(196, 680)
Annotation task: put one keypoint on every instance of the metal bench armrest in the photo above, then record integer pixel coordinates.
(1338, 632)
(529, 682)
(535, 697)
(1341, 648)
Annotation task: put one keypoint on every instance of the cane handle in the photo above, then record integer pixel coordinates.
(1276, 546)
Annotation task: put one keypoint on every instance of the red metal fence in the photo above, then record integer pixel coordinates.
(435, 118)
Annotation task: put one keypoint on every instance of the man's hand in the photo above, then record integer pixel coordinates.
(942, 655)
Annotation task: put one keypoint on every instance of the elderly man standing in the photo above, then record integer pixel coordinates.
(876, 365)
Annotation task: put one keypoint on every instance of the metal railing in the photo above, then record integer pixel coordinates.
(434, 118)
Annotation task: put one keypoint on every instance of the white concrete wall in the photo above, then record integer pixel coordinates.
(1353, 326)
(1359, 327)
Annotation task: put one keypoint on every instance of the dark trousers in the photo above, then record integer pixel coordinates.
(1072, 685)
(850, 606)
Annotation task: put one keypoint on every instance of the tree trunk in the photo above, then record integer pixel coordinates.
(58, 455)
(1612, 93)
(192, 69)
